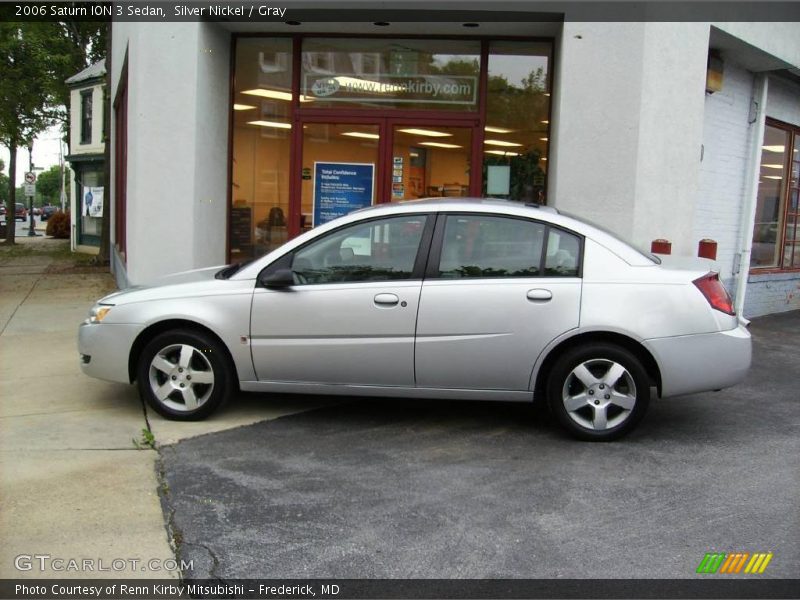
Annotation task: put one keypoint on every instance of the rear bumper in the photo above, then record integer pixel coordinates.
(702, 362)
(105, 349)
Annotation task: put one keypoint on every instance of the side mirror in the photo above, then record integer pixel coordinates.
(281, 278)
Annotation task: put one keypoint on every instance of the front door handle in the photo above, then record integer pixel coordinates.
(386, 299)
(540, 295)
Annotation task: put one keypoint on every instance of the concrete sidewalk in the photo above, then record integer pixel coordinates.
(72, 481)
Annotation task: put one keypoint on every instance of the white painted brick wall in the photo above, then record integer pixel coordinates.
(718, 212)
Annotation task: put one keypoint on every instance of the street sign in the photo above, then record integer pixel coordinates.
(30, 177)
(30, 189)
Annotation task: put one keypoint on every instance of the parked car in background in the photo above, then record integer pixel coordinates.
(453, 299)
(48, 211)
(20, 212)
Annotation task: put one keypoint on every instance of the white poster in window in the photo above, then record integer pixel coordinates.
(498, 180)
(92, 201)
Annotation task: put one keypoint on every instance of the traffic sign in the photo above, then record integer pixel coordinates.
(30, 177)
(30, 189)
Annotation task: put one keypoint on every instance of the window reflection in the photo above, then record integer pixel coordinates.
(769, 213)
(411, 74)
(261, 141)
(517, 121)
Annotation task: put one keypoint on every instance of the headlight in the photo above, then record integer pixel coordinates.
(98, 313)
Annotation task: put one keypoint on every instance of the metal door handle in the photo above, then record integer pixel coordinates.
(540, 295)
(386, 299)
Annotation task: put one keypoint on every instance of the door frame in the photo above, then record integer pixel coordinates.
(383, 169)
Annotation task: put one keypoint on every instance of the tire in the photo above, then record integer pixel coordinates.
(598, 392)
(184, 375)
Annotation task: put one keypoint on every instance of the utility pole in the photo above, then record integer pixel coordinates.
(32, 228)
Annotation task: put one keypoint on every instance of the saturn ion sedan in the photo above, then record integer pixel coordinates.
(453, 299)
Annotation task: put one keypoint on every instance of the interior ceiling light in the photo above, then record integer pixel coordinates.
(774, 148)
(772, 166)
(501, 143)
(772, 177)
(544, 139)
(275, 124)
(427, 132)
(275, 95)
(491, 129)
(546, 122)
(362, 134)
(243, 107)
(547, 94)
(501, 152)
(543, 158)
(439, 145)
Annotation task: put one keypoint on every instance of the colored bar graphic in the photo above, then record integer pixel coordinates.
(711, 562)
(733, 562)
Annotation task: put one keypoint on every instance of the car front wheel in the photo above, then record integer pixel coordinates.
(184, 375)
(598, 392)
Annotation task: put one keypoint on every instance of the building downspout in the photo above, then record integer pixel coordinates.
(759, 102)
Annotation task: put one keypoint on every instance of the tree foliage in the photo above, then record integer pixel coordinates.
(35, 59)
(48, 185)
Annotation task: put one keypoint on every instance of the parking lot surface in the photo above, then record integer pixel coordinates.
(409, 489)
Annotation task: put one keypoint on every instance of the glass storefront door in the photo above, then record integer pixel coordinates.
(339, 170)
(430, 161)
(347, 166)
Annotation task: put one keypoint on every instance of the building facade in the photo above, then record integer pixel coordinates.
(230, 138)
(87, 156)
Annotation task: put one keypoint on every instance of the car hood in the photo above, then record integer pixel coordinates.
(185, 283)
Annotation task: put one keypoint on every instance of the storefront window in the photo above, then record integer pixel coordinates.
(91, 196)
(262, 112)
(517, 121)
(376, 120)
(386, 73)
(769, 223)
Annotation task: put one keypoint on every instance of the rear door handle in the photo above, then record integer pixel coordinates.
(386, 299)
(540, 295)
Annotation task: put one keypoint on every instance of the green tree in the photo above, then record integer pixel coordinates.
(26, 92)
(48, 186)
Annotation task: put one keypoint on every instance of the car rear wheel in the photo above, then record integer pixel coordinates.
(598, 392)
(184, 375)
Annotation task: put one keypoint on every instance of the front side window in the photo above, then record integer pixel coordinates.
(380, 250)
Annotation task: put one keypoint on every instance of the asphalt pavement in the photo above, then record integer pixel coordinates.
(410, 489)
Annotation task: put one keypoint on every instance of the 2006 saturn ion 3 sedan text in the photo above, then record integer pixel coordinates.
(467, 299)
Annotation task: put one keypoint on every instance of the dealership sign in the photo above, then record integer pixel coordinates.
(419, 89)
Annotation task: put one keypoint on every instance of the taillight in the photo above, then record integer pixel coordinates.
(716, 294)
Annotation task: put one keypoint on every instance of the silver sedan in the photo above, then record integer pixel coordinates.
(455, 299)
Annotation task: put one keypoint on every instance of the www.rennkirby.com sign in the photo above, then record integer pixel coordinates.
(436, 89)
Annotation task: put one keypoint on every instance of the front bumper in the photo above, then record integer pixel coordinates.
(105, 348)
(702, 362)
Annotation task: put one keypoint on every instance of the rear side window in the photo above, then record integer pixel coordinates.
(482, 246)
(563, 252)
